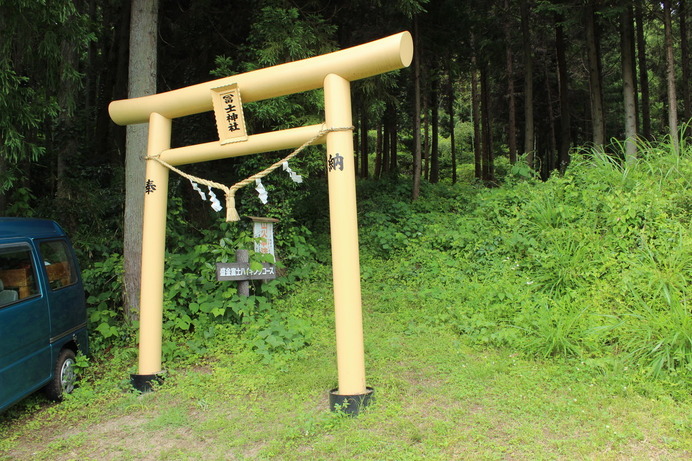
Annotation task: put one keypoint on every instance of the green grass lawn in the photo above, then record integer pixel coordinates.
(436, 398)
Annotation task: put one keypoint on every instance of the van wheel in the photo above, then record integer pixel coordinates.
(64, 376)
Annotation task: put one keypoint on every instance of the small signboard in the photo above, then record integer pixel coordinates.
(263, 232)
(228, 110)
(242, 271)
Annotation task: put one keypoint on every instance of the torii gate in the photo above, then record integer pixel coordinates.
(333, 72)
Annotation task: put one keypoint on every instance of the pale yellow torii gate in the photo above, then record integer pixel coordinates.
(333, 72)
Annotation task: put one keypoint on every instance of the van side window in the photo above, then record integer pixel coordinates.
(61, 272)
(17, 274)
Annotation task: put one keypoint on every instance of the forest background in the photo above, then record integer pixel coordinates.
(531, 163)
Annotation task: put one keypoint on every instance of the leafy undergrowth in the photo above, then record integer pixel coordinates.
(595, 264)
(538, 320)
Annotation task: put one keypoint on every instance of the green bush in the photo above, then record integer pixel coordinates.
(596, 262)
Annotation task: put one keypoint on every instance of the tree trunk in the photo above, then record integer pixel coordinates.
(685, 61)
(386, 137)
(426, 133)
(628, 90)
(142, 82)
(393, 133)
(595, 79)
(66, 129)
(512, 105)
(425, 120)
(89, 85)
(563, 85)
(475, 110)
(416, 115)
(670, 77)
(643, 71)
(529, 130)
(450, 110)
(363, 141)
(378, 152)
(550, 153)
(435, 120)
(487, 144)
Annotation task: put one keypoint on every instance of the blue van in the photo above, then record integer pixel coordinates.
(42, 310)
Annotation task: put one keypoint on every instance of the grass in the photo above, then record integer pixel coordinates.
(533, 321)
(437, 397)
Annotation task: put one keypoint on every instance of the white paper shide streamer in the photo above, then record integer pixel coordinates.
(195, 186)
(261, 191)
(215, 204)
(294, 176)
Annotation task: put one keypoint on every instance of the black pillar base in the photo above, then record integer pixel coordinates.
(350, 404)
(145, 383)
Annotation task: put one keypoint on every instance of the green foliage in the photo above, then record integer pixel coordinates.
(274, 43)
(103, 286)
(31, 79)
(593, 263)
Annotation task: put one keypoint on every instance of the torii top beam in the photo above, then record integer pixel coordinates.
(362, 61)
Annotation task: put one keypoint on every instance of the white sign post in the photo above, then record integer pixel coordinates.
(263, 233)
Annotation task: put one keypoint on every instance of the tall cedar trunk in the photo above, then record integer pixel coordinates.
(476, 114)
(385, 144)
(67, 96)
(426, 133)
(643, 71)
(89, 85)
(487, 144)
(425, 116)
(363, 141)
(511, 98)
(563, 85)
(142, 81)
(670, 77)
(378, 152)
(435, 120)
(685, 61)
(393, 133)
(595, 79)
(416, 115)
(550, 153)
(529, 130)
(628, 90)
(450, 110)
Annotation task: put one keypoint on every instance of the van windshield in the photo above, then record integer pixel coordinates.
(17, 274)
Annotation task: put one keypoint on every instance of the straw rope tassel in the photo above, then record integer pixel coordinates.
(231, 212)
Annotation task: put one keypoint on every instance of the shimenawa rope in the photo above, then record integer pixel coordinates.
(231, 212)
